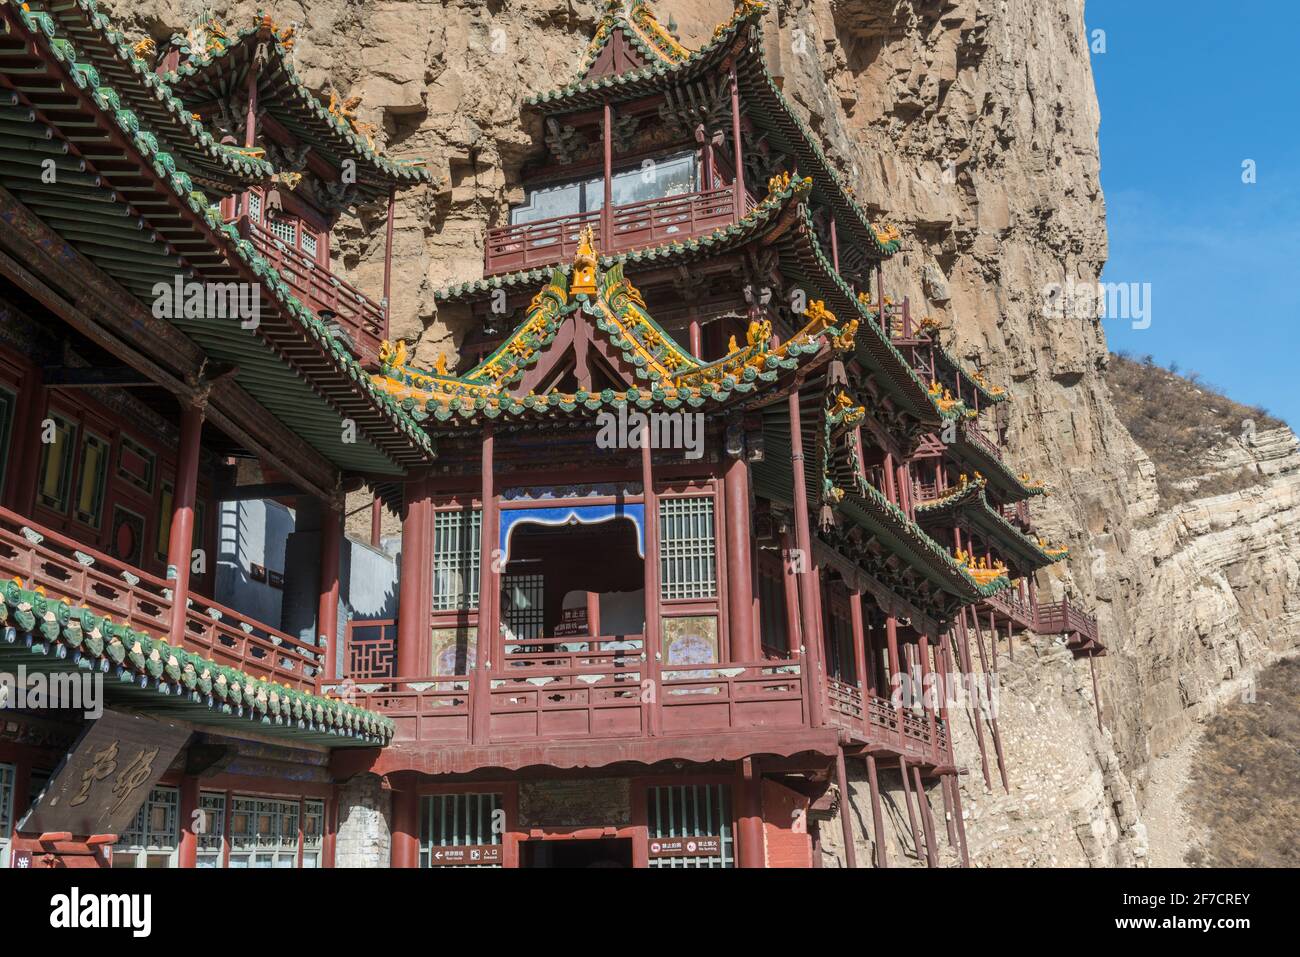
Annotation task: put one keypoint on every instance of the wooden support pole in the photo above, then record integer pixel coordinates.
(740, 594)
(697, 342)
(415, 589)
(388, 261)
(993, 721)
(180, 541)
(26, 462)
(327, 611)
(835, 245)
(846, 810)
(877, 817)
(927, 695)
(250, 118)
(911, 811)
(1096, 691)
(960, 821)
(947, 811)
(927, 819)
(976, 720)
(807, 580)
(790, 582)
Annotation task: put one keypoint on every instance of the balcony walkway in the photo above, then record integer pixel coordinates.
(64, 568)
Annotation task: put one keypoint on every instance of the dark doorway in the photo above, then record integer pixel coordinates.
(605, 852)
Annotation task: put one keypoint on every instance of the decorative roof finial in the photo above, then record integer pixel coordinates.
(584, 264)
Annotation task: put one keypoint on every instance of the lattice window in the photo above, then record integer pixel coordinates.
(524, 611)
(686, 548)
(154, 835)
(285, 230)
(211, 841)
(456, 558)
(254, 206)
(462, 821)
(263, 832)
(682, 815)
(313, 833)
(309, 245)
(6, 811)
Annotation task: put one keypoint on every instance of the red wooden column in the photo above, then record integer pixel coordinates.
(859, 645)
(835, 246)
(697, 346)
(415, 595)
(752, 851)
(737, 143)
(790, 582)
(489, 590)
(26, 460)
(327, 613)
(376, 521)
(188, 852)
(388, 261)
(406, 829)
(807, 575)
(607, 209)
(895, 670)
(927, 701)
(180, 541)
(740, 593)
(653, 631)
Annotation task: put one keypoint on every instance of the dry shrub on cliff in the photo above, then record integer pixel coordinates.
(1180, 421)
(1246, 778)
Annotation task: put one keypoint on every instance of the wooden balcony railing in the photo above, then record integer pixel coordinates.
(1017, 514)
(68, 569)
(977, 437)
(634, 226)
(1011, 604)
(1063, 618)
(364, 320)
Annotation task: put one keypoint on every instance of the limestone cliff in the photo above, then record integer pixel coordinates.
(973, 126)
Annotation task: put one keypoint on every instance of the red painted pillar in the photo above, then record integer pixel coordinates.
(739, 148)
(891, 479)
(859, 642)
(26, 460)
(740, 596)
(488, 595)
(606, 243)
(697, 346)
(790, 582)
(180, 542)
(807, 579)
(250, 118)
(406, 829)
(653, 635)
(327, 612)
(750, 831)
(877, 818)
(189, 804)
(415, 595)
(835, 246)
(895, 672)
(376, 521)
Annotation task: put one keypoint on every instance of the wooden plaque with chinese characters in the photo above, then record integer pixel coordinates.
(106, 777)
(581, 803)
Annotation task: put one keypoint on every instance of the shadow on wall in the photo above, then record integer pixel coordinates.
(252, 533)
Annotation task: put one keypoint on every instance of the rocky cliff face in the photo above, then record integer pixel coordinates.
(973, 126)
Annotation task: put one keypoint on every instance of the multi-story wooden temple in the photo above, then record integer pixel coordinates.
(698, 517)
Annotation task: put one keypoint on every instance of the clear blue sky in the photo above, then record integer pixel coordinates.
(1188, 92)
